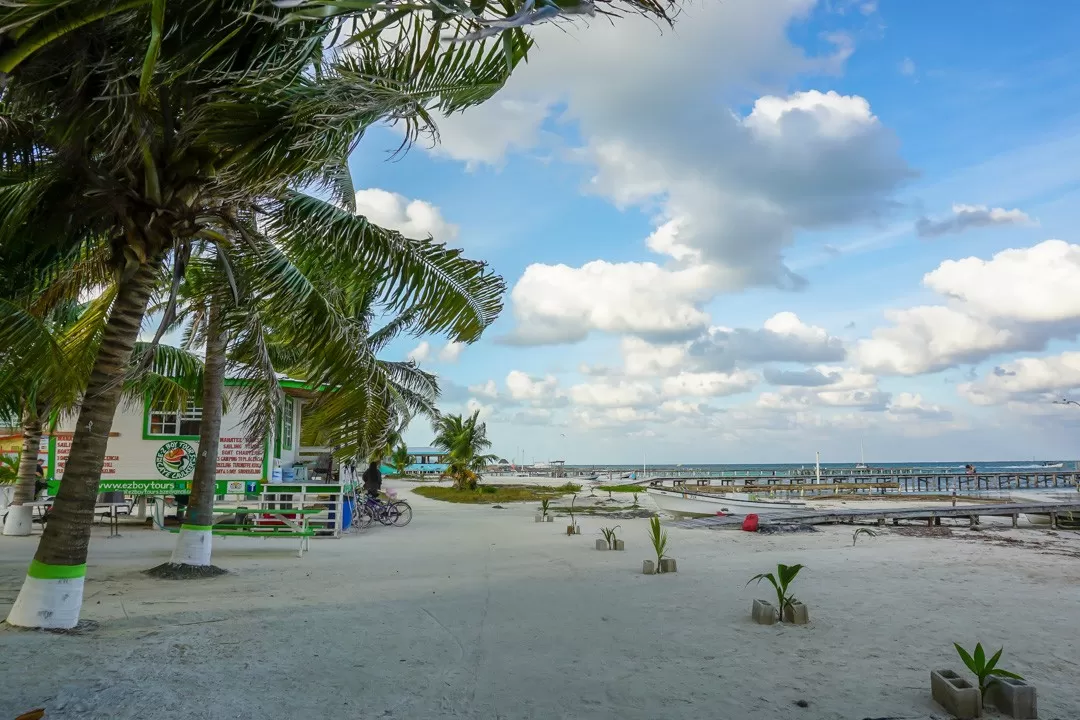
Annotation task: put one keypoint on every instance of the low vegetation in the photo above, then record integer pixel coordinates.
(620, 488)
(985, 671)
(781, 582)
(489, 494)
(659, 540)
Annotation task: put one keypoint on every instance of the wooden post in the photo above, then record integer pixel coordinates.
(1053, 520)
(1016, 518)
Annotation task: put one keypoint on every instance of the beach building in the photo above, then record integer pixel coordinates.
(152, 450)
(424, 461)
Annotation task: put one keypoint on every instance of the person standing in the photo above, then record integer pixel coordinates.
(373, 480)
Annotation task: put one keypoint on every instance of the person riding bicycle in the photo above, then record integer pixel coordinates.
(372, 480)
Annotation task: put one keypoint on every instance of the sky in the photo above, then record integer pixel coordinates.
(779, 227)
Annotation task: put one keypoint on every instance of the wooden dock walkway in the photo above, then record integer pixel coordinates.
(1058, 512)
(882, 481)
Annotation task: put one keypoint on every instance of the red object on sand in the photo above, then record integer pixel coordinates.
(750, 523)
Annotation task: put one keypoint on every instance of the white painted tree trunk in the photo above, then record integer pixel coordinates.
(49, 601)
(19, 520)
(192, 546)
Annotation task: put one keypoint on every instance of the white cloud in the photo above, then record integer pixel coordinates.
(644, 359)
(523, 387)
(474, 405)
(1016, 301)
(907, 67)
(607, 394)
(451, 352)
(557, 303)
(967, 217)
(617, 417)
(485, 133)
(708, 384)
(911, 404)
(412, 218)
(681, 407)
(846, 387)
(488, 390)
(783, 338)
(1027, 379)
(420, 353)
(729, 191)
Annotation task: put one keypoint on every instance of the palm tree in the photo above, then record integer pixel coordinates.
(464, 439)
(231, 112)
(400, 459)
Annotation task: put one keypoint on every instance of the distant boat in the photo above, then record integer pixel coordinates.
(1066, 520)
(862, 459)
(681, 501)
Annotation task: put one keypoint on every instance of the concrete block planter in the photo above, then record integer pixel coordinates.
(955, 694)
(648, 567)
(796, 614)
(763, 613)
(668, 565)
(1014, 698)
(551, 518)
(538, 518)
(620, 545)
(601, 544)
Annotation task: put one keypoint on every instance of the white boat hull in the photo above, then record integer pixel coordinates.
(677, 501)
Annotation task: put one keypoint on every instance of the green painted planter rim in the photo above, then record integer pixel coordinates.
(200, 528)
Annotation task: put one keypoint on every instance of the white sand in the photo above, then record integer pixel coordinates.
(472, 612)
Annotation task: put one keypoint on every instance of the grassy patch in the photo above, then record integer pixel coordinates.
(622, 488)
(487, 494)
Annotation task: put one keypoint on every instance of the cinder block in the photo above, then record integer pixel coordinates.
(620, 545)
(569, 529)
(551, 518)
(648, 567)
(955, 694)
(796, 614)
(601, 544)
(577, 529)
(1014, 698)
(764, 613)
(538, 518)
(668, 565)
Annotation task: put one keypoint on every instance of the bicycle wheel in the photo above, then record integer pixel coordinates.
(364, 517)
(388, 515)
(404, 511)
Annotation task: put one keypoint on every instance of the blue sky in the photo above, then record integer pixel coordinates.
(711, 235)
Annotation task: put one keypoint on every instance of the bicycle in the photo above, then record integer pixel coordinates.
(397, 513)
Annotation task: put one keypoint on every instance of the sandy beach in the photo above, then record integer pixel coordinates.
(475, 612)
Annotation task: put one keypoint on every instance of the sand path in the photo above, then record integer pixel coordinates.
(472, 612)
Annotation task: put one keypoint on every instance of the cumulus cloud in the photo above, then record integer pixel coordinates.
(1018, 300)
(538, 391)
(912, 404)
(420, 353)
(558, 303)
(728, 189)
(608, 394)
(1026, 380)
(810, 377)
(488, 390)
(967, 217)
(783, 338)
(451, 351)
(412, 218)
(845, 387)
(708, 384)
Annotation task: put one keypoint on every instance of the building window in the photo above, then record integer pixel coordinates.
(287, 425)
(183, 422)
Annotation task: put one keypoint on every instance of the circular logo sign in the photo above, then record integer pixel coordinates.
(175, 459)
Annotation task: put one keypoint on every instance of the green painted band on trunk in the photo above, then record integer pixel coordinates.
(41, 571)
(200, 528)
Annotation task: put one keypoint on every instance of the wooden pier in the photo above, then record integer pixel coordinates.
(1059, 512)
(883, 481)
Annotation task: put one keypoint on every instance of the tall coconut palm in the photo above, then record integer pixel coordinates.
(464, 439)
(237, 103)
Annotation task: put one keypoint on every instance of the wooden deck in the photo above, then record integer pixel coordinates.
(932, 516)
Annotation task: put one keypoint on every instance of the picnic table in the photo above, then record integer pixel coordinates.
(291, 527)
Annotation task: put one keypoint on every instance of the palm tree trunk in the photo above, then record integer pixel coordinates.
(193, 546)
(19, 518)
(51, 595)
